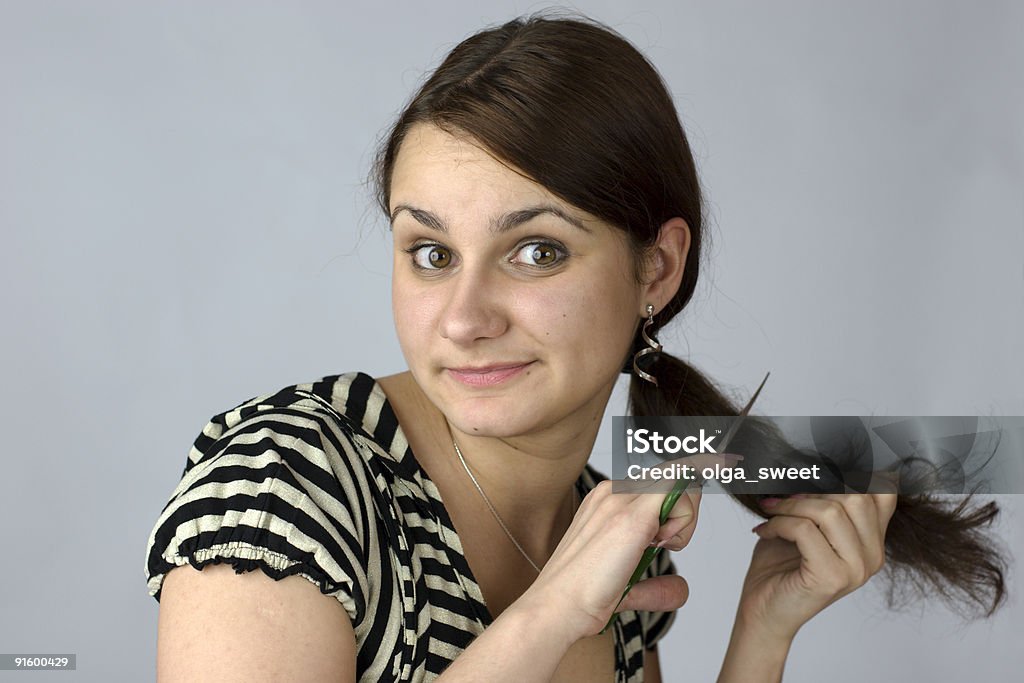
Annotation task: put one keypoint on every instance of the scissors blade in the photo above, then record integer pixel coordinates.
(734, 427)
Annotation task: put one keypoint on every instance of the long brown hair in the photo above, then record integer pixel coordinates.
(574, 106)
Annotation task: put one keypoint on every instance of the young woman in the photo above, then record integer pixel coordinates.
(443, 523)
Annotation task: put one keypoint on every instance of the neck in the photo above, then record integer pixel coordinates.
(529, 475)
(533, 496)
(529, 478)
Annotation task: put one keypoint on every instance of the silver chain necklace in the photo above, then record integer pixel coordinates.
(490, 507)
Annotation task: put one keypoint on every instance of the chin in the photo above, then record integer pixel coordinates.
(493, 417)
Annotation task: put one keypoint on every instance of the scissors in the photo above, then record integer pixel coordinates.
(670, 501)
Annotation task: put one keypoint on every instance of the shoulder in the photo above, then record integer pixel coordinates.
(288, 483)
(348, 408)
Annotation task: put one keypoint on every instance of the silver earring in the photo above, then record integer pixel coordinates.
(652, 347)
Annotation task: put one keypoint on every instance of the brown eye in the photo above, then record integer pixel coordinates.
(431, 256)
(539, 254)
(543, 256)
(439, 257)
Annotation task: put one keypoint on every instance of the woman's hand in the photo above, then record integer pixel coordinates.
(585, 576)
(812, 551)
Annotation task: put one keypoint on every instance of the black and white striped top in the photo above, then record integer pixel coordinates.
(318, 480)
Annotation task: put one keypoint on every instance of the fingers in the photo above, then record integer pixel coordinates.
(658, 594)
(632, 516)
(870, 514)
(886, 504)
(851, 524)
(863, 513)
(601, 505)
(678, 530)
(809, 540)
(659, 488)
(887, 484)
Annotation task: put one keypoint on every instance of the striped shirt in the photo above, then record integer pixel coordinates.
(318, 480)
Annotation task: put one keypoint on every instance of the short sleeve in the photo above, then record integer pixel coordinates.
(656, 624)
(271, 488)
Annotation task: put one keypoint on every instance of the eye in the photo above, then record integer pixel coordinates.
(430, 256)
(539, 254)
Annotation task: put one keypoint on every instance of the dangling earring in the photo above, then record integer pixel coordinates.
(652, 347)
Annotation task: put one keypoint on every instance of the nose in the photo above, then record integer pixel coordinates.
(474, 309)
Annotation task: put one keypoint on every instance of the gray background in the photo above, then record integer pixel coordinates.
(186, 226)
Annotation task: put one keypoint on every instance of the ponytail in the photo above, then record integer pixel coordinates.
(933, 545)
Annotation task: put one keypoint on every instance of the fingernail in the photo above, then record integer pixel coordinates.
(664, 543)
(769, 503)
(755, 529)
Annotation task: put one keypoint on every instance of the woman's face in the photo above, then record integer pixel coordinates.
(513, 308)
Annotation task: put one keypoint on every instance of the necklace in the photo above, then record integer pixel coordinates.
(490, 507)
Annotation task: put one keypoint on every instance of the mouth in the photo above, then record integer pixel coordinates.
(487, 375)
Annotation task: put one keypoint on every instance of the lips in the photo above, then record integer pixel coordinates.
(487, 375)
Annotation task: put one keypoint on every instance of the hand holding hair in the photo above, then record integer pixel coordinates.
(812, 551)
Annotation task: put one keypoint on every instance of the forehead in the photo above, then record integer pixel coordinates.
(435, 165)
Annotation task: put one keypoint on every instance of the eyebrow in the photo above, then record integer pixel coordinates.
(501, 224)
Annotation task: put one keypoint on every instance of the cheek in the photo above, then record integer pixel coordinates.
(415, 311)
(592, 321)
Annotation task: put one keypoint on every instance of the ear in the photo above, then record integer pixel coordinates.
(666, 262)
